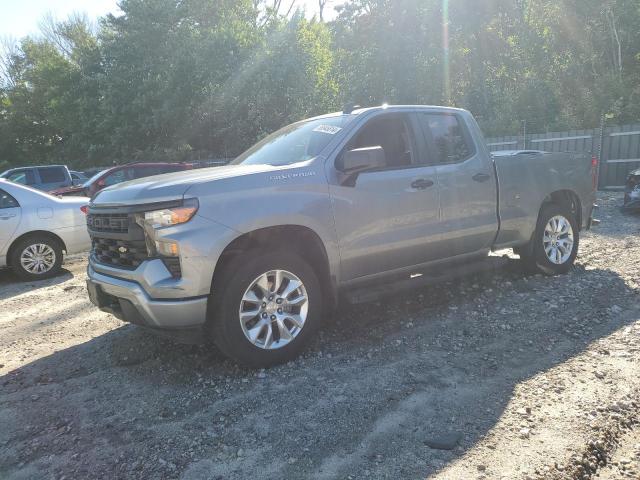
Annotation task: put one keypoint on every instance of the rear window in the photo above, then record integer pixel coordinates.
(24, 177)
(51, 175)
(7, 201)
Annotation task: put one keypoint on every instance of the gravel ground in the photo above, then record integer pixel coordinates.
(502, 376)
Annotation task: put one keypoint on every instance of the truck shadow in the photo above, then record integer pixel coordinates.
(380, 379)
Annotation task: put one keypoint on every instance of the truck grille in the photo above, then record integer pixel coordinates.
(108, 222)
(128, 254)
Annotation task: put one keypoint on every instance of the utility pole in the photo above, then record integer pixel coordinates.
(524, 134)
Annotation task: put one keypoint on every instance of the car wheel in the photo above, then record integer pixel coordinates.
(555, 242)
(265, 307)
(36, 257)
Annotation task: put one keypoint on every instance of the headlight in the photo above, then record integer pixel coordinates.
(168, 217)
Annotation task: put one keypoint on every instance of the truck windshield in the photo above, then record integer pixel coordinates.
(294, 143)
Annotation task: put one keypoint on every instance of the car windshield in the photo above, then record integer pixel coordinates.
(294, 143)
(88, 183)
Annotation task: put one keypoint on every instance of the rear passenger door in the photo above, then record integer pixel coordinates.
(467, 184)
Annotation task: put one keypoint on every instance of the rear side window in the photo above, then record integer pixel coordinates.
(7, 201)
(24, 177)
(51, 175)
(450, 138)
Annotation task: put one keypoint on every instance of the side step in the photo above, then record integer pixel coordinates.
(425, 277)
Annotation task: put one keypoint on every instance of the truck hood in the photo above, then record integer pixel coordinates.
(171, 186)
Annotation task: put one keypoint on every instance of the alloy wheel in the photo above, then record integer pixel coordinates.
(558, 240)
(274, 309)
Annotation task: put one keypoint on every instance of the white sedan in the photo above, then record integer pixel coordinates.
(37, 228)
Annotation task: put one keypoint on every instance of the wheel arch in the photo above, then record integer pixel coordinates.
(301, 239)
(33, 233)
(566, 198)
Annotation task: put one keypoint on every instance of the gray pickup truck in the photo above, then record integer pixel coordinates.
(349, 205)
(45, 177)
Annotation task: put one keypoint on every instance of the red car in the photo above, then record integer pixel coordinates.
(119, 174)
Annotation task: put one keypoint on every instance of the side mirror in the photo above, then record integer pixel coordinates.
(361, 159)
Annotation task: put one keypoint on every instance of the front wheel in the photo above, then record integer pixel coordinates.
(555, 242)
(265, 308)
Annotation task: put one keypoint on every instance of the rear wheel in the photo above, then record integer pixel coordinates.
(555, 242)
(36, 257)
(265, 308)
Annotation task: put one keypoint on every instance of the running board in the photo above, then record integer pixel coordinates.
(423, 278)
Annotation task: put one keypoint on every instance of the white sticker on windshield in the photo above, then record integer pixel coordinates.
(330, 129)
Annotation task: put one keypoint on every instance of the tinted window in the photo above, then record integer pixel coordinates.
(25, 177)
(119, 176)
(7, 201)
(393, 134)
(51, 175)
(449, 137)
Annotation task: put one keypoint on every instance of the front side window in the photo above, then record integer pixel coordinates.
(93, 179)
(392, 132)
(450, 139)
(7, 201)
(119, 176)
(295, 143)
(24, 177)
(51, 175)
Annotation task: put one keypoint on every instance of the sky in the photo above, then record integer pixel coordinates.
(21, 17)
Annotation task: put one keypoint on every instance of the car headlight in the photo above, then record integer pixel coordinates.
(168, 217)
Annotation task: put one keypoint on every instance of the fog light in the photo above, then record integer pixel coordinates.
(173, 265)
(167, 249)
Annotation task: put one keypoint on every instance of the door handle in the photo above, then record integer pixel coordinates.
(421, 184)
(7, 216)
(481, 177)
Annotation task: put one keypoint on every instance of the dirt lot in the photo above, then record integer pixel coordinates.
(514, 376)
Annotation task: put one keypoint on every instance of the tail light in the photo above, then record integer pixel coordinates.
(84, 209)
(594, 172)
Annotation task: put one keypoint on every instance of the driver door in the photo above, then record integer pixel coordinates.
(387, 219)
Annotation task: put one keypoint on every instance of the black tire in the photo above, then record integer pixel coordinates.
(18, 248)
(534, 258)
(227, 293)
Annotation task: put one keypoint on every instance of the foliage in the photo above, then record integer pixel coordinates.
(186, 79)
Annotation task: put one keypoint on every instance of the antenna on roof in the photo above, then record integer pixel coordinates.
(349, 107)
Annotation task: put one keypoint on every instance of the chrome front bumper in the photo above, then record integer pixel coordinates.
(128, 301)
